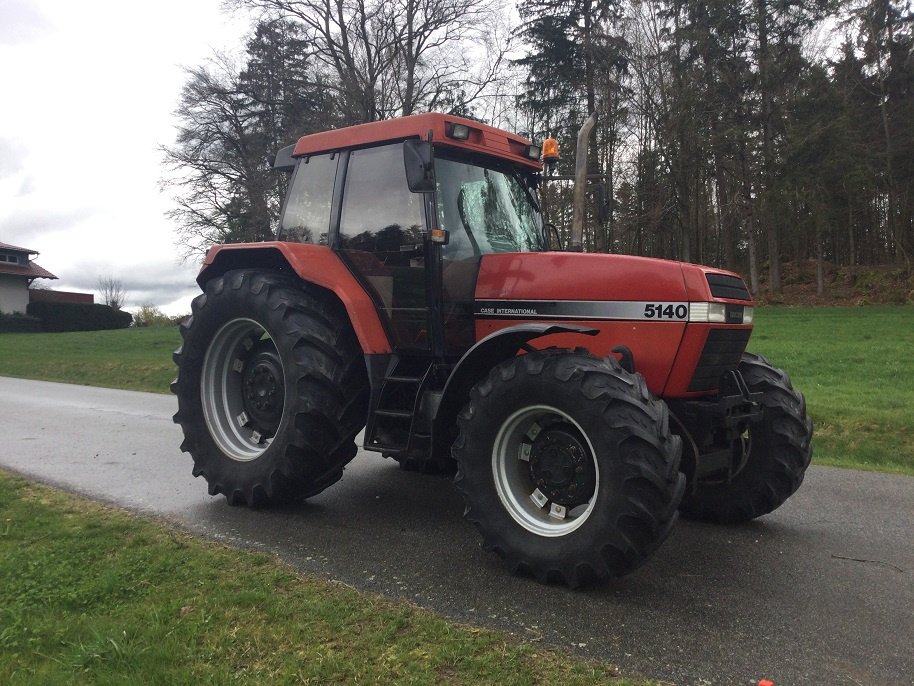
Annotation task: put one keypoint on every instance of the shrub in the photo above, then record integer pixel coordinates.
(150, 315)
(19, 323)
(58, 317)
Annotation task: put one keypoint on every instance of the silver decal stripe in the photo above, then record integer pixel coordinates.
(583, 309)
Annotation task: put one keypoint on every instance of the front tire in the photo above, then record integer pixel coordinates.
(271, 388)
(779, 451)
(567, 466)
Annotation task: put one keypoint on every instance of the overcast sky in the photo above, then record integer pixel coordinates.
(88, 88)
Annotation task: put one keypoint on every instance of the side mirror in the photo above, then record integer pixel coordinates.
(283, 161)
(420, 169)
(552, 237)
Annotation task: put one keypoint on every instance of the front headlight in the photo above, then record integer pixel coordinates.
(720, 313)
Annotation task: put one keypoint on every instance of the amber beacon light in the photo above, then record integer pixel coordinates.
(551, 151)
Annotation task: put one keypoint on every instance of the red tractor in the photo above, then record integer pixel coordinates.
(413, 291)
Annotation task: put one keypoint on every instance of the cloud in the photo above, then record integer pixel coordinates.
(83, 189)
(32, 226)
(149, 283)
(12, 155)
(27, 187)
(21, 22)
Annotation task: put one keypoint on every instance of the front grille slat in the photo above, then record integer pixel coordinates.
(722, 352)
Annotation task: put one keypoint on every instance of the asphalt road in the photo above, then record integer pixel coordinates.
(819, 592)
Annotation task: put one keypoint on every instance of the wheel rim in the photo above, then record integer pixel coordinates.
(545, 471)
(242, 389)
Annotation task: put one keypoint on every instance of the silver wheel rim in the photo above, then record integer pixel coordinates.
(221, 391)
(519, 494)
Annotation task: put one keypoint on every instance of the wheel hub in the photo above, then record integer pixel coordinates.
(263, 390)
(561, 467)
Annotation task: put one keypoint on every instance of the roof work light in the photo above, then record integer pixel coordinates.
(460, 132)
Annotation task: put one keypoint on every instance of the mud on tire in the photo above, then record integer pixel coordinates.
(271, 388)
(780, 449)
(567, 466)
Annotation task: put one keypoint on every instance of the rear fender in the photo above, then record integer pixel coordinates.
(476, 364)
(316, 264)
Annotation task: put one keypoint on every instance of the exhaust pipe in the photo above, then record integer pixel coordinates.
(580, 184)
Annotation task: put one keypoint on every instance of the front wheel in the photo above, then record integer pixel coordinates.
(778, 450)
(567, 466)
(271, 388)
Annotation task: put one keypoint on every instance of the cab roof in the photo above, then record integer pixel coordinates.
(482, 138)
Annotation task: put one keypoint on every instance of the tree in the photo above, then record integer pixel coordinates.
(233, 120)
(886, 36)
(576, 63)
(715, 90)
(722, 137)
(112, 292)
(218, 162)
(395, 57)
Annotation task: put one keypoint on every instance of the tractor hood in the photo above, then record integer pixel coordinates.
(661, 311)
(594, 278)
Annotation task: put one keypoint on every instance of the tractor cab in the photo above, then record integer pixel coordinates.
(412, 218)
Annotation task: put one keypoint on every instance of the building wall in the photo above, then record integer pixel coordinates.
(14, 293)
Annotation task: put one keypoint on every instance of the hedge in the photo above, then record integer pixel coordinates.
(56, 316)
(19, 323)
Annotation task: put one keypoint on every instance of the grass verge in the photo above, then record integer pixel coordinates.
(134, 359)
(93, 595)
(855, 367)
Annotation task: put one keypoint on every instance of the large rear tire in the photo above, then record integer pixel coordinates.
(568, 466)
(271, 387)
(779, 449)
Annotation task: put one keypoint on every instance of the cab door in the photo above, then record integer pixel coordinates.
(381, 236)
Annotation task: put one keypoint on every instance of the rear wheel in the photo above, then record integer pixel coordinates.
(567, 466)
(776, 451)
(271, 388)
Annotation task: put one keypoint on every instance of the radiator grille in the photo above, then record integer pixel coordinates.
(723, 286)
(722, 352)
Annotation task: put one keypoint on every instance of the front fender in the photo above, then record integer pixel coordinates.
(476, 363)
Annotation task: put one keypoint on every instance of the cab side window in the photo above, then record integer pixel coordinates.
(380, 215)
(306, 218)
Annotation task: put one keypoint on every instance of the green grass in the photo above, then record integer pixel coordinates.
(135, 359)
(92, 595)
(855, 365)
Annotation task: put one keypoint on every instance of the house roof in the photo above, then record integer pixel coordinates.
(7, 246)
(32, 270)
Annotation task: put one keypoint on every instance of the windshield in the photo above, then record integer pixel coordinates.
(486, 210)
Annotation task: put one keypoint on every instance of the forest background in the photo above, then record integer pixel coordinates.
(766, 137)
